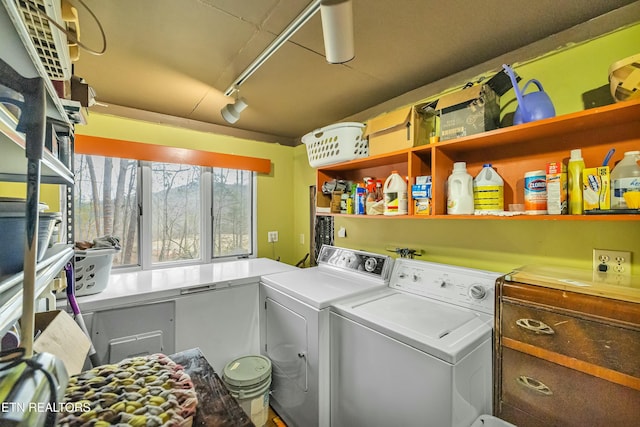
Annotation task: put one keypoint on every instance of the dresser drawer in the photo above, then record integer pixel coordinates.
(560, 396)
(592, 341)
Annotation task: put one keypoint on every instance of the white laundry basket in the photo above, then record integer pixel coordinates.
(92, 270)
(336, 143)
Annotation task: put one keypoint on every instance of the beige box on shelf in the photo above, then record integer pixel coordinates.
(61, 336)
(404, 128)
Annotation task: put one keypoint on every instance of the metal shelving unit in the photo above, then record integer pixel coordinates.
(24, 159)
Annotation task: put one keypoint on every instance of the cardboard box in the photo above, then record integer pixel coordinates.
(557, 188)
(467, 112)
(336, 198)
(397, 130)
(61, 336)
(421, 191)
(595, 188)
(422, 207)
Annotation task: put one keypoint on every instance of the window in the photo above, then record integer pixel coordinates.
(232, 207)
(175, 229)
(105, 203)
(164, 213)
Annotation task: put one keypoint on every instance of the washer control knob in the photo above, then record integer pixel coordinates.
(416, 277)
(370, 264)
(477, 292)
(443, 284)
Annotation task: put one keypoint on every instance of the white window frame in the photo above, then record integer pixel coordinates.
(206, 223)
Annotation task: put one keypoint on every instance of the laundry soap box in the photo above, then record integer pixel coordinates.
(596, 188)
(421, 195)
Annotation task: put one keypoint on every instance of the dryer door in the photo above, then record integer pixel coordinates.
(287, 347)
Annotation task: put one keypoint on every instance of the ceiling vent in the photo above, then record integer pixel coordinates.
(49, 41)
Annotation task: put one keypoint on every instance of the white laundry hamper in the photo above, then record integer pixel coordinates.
(336, 143)
(248, 379)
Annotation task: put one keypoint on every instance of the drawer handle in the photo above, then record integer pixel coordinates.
(535, 385)
(535, 326)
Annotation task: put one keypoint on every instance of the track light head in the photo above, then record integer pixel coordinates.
(231, 112)
(337, 30)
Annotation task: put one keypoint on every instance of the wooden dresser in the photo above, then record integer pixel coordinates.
(567, 351)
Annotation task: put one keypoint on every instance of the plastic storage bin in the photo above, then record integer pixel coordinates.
(336, 143)
(12, 230)
(92, 269)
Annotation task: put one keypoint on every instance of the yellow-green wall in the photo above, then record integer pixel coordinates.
(49, 193)
(275, 201)
(283, 195)
(502, 245)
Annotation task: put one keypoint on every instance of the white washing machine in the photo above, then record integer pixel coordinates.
(294, 324)
(418, 353)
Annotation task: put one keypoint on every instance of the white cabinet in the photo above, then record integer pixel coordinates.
(287, 345)
(223, 322)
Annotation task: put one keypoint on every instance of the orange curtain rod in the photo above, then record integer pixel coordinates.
(109, 147)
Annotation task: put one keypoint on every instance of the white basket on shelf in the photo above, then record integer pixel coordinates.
(92, 270)
(336, 143)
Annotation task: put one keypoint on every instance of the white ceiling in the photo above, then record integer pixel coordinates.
(178, 57)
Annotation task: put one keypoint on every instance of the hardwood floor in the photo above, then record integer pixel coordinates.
(274, 420)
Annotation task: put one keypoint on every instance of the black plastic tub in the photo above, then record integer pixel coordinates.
(12, 235)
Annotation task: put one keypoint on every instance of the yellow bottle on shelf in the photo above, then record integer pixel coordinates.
(575, 168)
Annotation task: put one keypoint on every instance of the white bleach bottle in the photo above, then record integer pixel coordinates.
(460, 191)
(625, 177)
(395, 195)
(488, 190)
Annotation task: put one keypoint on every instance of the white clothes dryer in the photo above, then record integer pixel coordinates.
(418, 353)
(294, 324)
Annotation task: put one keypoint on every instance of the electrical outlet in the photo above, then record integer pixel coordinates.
(612, 266)
(272, 236)
(301, 239)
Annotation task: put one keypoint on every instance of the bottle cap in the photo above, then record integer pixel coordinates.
(576, 154)
(486, 165)
(460, 166)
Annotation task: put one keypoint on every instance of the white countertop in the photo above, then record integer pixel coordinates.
(144, 286)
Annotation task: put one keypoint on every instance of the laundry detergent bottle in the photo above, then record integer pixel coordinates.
(460, 191)
(395, 195)
(488, 190)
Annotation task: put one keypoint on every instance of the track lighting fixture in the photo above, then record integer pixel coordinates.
(231, 112)
(337, 30)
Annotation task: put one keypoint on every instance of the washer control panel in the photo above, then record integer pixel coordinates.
(355, 261)
(461, 286)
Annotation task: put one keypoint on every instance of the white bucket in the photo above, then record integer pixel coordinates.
(248, 380)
